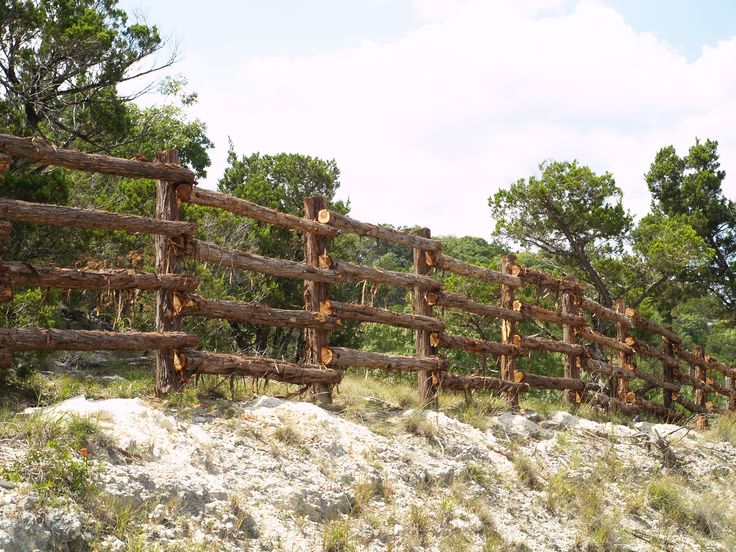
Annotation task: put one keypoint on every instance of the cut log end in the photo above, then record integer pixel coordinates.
(324, 216)
(5, 162)
(6, 293)
(431, 258)
(184, 192)
(326, 356)
(5, 230)
(517, 340)
(517, 306)
(432, 297)
(325, 308)
(519, 376)
(180, 361)
(434, 339)
(325, 261)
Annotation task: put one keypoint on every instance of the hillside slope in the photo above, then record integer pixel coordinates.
(274, 475)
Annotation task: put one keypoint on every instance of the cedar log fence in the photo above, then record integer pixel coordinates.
(177, 360)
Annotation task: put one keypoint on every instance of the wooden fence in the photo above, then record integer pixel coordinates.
(711, 383)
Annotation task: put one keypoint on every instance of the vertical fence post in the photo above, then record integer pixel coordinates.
(6, 290)
(731, 386)
(314, 293)
(423, 348)
(621, 385)
(168, 261)
(570, 365)
(508, 329)
(668, 373)
(701, 397)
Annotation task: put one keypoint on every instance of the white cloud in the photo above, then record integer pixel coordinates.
(427, 127)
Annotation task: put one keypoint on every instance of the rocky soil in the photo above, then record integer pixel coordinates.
(280, 475)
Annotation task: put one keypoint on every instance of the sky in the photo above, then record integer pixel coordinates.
(430, 106)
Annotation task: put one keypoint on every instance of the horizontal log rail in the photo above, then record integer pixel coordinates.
(644, 323)
(692, 407)
(251, 313)
(600, 339)
(709, 386)
(542, 280)
(535, 312)
(638, 406)
(695, 360)
(42, 213)
(457, 301)
(243, 207)
(600, 311)
(201, 362)
(525, 344)
(654, 380)
(37, 152)
(593, 366)
(351, 271)
(363, 313)
(26, 274)
(229, 258)
(462, 343)
(384, 233)
(537, 381)
(644, 348)
(714, 364)
(34, 339)
(456, 266)
(457, 382)
(343, 357)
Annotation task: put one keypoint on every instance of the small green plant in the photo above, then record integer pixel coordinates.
(527, 472)
(336, 537)
(665, 495)
(363, 493)
(420, 523)
(417, 424)
(478, 474)
(56, 462)
(288, 435)
(724, 428)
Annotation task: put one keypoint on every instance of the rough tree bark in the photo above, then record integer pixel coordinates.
(314, 294)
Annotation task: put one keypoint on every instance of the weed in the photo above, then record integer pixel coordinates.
(665, 495)
(724, 428)
(478, 474)
(336, 537)
(56, 460)
(448, 508)
(420, 523)
(417, 424)
(288, 435)
(363, 493)
(527, 472)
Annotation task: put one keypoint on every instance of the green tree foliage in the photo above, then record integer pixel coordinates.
(60, 64)
(568, 212)
(688, 191)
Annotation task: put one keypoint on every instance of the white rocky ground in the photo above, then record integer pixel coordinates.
(281, 475)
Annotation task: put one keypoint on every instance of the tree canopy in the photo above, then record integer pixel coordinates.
(569, 213)
(60, 64)
(688, 191)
